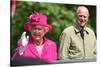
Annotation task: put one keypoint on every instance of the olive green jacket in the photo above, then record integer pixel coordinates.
(72, 46)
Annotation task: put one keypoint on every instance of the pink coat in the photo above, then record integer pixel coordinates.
(49, 52)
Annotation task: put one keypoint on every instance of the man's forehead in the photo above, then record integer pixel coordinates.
(82, 13)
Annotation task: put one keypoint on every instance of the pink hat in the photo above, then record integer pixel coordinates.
(37, 19)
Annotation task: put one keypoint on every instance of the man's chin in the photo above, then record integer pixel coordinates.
(82, 25)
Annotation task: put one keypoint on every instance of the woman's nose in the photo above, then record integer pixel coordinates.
(36, 31)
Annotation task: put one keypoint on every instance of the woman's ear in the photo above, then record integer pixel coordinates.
(46, 29)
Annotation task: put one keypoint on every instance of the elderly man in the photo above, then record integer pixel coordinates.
(78, 41)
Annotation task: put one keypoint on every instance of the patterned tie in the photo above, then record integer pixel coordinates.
(82, 33)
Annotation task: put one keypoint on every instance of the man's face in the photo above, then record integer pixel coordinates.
(82, 17)
(38, 32)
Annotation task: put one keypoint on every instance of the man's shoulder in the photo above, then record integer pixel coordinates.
(69, 29)
(89, 30)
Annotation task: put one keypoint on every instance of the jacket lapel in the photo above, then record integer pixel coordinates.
(32, 48)
(45, 48)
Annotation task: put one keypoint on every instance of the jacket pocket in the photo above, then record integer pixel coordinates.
(74, 52)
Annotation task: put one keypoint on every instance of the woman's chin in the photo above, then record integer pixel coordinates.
(37, 38)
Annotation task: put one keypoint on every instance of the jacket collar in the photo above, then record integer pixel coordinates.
(44, 50)
(77, 28)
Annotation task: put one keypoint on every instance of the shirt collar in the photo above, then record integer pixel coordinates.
(77, 29)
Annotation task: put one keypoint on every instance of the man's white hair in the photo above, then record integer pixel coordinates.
(82, 8)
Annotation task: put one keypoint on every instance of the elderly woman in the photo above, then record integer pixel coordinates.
(36, 45)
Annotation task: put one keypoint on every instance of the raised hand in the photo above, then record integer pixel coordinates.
(24, 39)
(23, 42)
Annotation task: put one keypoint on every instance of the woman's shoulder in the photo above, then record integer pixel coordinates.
(50, 42)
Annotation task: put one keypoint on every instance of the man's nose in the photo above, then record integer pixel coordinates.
(82, 18)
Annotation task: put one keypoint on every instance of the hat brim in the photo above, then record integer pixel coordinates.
(28, 26)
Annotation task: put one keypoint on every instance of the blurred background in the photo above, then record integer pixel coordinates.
(59, 16)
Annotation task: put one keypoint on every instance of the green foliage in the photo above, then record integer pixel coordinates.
(60, 16)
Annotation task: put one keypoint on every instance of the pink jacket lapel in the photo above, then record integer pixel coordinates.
(32, 47)
(33, 50)
(45, 48)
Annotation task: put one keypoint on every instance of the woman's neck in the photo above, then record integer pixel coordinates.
(38, 42)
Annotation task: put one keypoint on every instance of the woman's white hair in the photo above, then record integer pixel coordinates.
(46, 29)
